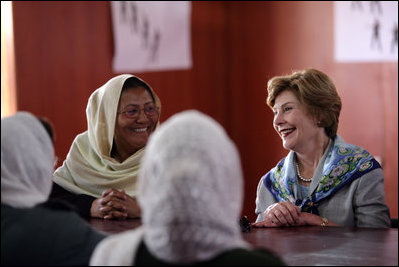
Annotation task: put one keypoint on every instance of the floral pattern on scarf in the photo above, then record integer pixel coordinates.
(344, 164)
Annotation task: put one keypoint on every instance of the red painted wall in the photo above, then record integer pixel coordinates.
(64, 52)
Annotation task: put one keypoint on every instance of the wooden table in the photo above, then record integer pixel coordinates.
(313, 245)
(308, 245)
(114, 226)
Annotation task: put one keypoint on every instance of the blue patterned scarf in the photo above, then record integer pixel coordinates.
(344, 163)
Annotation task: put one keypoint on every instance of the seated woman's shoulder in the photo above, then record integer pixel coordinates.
(57, 204)
(245, 257)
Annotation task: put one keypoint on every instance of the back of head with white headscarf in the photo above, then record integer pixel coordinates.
(191, 190)
(27, 161)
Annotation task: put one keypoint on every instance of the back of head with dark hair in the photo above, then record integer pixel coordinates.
(47, 125)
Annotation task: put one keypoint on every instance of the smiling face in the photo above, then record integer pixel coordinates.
(291, 121)
(132, 133)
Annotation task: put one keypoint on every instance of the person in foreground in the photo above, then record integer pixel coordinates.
(100, 171)
(35, 231)
(323, 180)
(190, 192)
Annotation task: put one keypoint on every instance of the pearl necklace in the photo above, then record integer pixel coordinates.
(300, 176)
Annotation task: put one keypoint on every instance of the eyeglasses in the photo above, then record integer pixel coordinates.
(133, 111)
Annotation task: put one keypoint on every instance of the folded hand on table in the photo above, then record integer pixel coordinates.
(287, 214)
(115, 204)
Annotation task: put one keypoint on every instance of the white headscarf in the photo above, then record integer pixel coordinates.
(89, 169)
(190, 191)
(27, 161)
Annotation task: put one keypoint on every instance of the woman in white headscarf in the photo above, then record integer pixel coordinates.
(99, 174)
(35, 231)
(190, 189)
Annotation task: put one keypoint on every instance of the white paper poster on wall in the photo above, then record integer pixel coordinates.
(151, 35)
(366, 31)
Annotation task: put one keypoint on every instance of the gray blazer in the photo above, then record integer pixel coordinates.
(360, 203)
